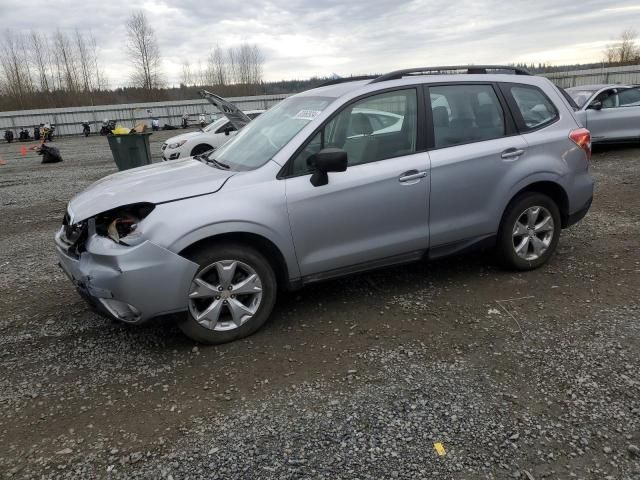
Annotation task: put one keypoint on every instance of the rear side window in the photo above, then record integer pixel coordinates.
(532, 106)
(465, 113)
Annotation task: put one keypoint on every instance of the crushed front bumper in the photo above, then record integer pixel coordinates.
(131, 284)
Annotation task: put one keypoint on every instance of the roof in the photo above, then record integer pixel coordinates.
(365, 86)
(595, 87)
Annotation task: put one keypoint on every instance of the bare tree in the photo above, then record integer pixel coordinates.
(187, 76)
(85, 60)
(67, 62)
(40, 58)
(624, 49)
(17, 77)
(201, 75)
(218, 68)
(232, 65)
(257, 65)
(100, 77)
(144, 52)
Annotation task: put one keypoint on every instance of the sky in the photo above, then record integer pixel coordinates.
(305, 38)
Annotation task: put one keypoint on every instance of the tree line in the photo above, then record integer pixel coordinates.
(63, 69)
(242, 65)
(42, 70)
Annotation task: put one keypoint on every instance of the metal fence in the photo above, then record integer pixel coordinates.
(68, 121)
(627, 75)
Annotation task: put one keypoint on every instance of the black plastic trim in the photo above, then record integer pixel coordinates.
(482, 242)
(337, 81)
(579, 215)
(470, 69)
(400, 259)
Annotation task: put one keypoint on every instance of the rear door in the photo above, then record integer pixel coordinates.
(474, 145)
(619, 117)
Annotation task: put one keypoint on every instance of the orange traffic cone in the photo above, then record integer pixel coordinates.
(23, 150)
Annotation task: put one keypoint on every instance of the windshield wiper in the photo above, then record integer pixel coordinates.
(215, 162)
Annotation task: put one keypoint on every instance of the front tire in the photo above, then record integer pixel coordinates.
(231, 295)
(529, 231)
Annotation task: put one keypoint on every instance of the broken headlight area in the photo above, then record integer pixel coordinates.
(122, 224)
(74, 236)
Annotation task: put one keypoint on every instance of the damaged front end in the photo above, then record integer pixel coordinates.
(117, 271)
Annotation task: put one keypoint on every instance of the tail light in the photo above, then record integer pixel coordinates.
(582, 138)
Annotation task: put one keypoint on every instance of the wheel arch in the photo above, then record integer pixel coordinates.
(552, 189)
(262, 244)
(200, 146)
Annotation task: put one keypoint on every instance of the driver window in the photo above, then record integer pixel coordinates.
(375, 128)
(226, 126)
(607, 98)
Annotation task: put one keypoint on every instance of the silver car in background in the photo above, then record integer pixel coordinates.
(351, 176)
(610, 112)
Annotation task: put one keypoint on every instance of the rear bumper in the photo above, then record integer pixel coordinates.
(580, 214)
(131, 284)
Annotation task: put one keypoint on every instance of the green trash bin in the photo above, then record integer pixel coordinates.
(131, 150)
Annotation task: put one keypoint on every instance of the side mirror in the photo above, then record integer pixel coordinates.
(596, 105)
(328, 160)
(227, 130)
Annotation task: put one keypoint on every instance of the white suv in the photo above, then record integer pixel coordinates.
(211, 137)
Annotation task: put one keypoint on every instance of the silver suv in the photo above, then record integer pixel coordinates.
(347, 177)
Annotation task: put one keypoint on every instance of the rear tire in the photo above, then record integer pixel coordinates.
(200, 149)
(231, 296)
(529, 231)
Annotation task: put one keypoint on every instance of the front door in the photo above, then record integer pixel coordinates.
(376, 212)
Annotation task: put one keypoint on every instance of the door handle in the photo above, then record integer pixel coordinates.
(412, 175)
(512, 152)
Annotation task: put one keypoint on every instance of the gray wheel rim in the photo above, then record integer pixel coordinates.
(225, 295)
(533, 233)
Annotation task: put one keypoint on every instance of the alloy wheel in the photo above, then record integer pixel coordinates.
(533, 233)
(225, 295)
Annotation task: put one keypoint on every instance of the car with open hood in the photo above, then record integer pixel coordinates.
(205, 139)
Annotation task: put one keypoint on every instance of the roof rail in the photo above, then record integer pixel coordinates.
(470, 69)
(336, 81)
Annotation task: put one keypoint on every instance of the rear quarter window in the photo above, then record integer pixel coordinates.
(531, 107)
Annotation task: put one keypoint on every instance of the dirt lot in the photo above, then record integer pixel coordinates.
(524, 376)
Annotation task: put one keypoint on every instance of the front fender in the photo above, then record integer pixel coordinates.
(283, 244)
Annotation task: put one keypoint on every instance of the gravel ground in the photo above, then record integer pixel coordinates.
(526, 376)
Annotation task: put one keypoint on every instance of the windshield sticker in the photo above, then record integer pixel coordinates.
(306, 115)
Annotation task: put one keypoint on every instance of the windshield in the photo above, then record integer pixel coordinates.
(580, 96)
(218, 123)
(261, 139)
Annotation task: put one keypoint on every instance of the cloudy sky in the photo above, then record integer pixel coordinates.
(302, 38)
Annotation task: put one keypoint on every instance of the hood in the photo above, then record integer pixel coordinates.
(157, 183)
(184, 136)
